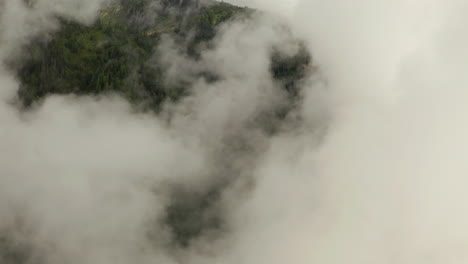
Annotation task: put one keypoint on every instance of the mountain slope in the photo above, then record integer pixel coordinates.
(113, 54)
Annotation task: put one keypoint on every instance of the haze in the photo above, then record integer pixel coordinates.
(370, 168)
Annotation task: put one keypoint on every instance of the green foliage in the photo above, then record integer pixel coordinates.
(90, 60)
(289, 70)
(204, 23)
(112, 55)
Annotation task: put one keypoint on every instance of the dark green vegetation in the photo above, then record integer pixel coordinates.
(117, 54)
(113, 54)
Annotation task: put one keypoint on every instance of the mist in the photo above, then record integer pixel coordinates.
(368, 166)
(385, 185)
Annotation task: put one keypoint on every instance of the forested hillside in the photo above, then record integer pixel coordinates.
(117, 52)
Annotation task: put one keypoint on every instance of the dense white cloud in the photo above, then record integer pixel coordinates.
(384, 183)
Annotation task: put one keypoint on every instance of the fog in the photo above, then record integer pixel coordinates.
(373, 171)
(385, 186)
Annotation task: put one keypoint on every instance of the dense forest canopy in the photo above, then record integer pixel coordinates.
(117, 53)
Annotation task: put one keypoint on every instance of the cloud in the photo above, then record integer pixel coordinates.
(384, 185)
(89, 180)
(374, 172)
